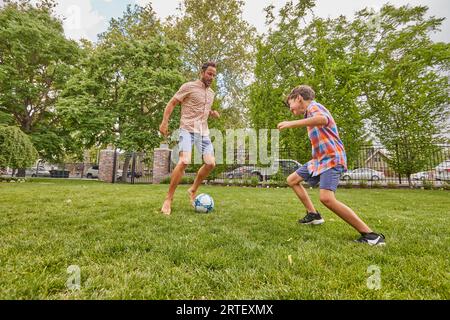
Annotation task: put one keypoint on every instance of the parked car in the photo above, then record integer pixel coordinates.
(287, 166)
(443, 171)
(363, 174)
(239, 172)
(137, 174)
(119, 174)
(40, 171)
(422, 175)
(59, 173)
(92, 172)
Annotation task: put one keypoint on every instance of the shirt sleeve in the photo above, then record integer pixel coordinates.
(182, 92)
(314, 111)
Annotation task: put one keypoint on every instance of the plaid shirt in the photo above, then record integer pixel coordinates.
(327, 148)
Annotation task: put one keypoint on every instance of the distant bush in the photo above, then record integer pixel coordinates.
(428, 185)
(363, 184)
(376, 185)
(12, 179)
(391, 185)
(278, 177)
(254, 181)
(16, 148)
(347, 185)
(184, 180)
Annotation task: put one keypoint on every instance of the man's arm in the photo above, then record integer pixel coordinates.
(164, 126)
(316, 121)
(214, 114)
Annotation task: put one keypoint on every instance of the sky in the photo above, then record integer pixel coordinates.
(88, 18)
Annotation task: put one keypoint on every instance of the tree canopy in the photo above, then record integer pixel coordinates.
(36, 60)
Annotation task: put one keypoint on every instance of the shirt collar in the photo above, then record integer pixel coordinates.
(202, 84)
(305, 115)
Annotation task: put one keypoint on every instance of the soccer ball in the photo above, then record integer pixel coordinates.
(203, 203)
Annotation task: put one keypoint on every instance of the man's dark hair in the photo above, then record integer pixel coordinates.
(305, 91)
(208, 64)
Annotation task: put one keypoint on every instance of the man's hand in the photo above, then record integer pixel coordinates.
(214, 114)
(284, 125)
(164, 129)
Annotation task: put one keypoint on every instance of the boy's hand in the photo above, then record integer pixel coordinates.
(214, 114)
(284, 125)
(164, 129)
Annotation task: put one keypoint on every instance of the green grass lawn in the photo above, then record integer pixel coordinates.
(126, 249)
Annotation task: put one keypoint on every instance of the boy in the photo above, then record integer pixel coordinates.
(328, 162)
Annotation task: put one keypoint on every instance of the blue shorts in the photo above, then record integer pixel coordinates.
(329, 179)
(202, 143)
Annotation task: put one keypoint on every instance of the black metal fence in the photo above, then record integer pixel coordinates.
(401, 166)
(373, 166)
(75, 170)
(134, 167)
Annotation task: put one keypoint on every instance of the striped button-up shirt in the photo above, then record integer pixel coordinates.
(327, 148)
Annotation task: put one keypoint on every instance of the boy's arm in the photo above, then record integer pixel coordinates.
(164, 126)
(316, 121)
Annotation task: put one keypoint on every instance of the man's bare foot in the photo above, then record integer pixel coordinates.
(191, 196)
(166, 208)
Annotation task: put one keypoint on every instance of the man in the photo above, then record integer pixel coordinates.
(196, 99)
(328, 162)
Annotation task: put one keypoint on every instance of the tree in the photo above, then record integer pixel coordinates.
(378, 73)
(16, 148)
(121, 89)
(405, 82)
(214, 30)
(318, 53)
(35, 62)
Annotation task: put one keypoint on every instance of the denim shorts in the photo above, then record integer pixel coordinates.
(202, 143)
(328, 179)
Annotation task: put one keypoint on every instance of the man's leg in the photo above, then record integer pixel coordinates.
(177, 174)
(328, 198)
(202, 173)
(294, 182)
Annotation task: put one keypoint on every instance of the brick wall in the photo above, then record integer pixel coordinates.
(161, 164)
(105, 165)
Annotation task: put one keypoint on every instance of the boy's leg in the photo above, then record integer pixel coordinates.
(329, 181)
(328, 198)
(293, 181)
(177, 174)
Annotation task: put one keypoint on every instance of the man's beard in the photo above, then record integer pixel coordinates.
(206, 82)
